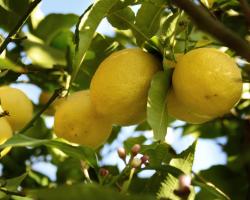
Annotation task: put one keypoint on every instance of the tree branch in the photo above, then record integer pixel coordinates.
(38, 114)
(19, 24)
(206, 23)
(246, 10)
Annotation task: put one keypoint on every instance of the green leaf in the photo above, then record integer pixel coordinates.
(148, 19)
(156, 106)
(43, 55)
(120, 18)
(12, 184)
(159, 155)
(5, 63)
(52, 24)
(83, 191)
(222, 183)
(184, 162)
(86, 30)
(79, 152)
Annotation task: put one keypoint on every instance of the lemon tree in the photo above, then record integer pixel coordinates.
(164, 89)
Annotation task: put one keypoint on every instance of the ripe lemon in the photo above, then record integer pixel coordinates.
(207, 81)
(179, 111)
(5, 130)
(18, 105)
(5, 134)
(44, 98)
(120, 85)
(77, 121)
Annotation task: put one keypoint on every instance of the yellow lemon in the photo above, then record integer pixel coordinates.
(207, 81)
(120, 85)
(77, 121)
(5, 130)
(179, 111)
(18, 105)
(5, 134)
(44, 98)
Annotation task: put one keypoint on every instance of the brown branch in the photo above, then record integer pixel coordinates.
(19, 24)
(246, 10)
(206, 23)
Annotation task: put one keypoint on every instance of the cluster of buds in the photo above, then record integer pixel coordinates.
(134, 161)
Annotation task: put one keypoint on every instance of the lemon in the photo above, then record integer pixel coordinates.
(44, 98)
(179, 111)
(207, 81)
(77, 121)
(5, 130)
(119, 88)
(18, 105)
(5, 133)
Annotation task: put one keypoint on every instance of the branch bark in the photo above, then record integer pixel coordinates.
(246, 10)
(19, 24)
(206, 23)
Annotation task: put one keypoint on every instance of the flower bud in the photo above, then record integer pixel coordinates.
(135, 163)
(121, 153)
(135, 149)
(104, 172)
(145, 159)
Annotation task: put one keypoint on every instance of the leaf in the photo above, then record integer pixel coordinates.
(12, 184)
(83, 191)
(148, 19)
(43, 55)
(79, 152)
(184, 162)
(159, 155)
(86, 30)
(156, 106)
(117, 18)
(222, 183)
(52, 24)
(5, 63)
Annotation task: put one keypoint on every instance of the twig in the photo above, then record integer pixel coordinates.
(246, 10)
(19, 24)
(206, 23)
(38, 114)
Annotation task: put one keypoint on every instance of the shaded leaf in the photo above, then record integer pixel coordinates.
(86, 30)
(120, 19)
(156, 106)
(5, 63)
(184, 162)
(83, 191)
(52, 24)
(43, 55)
(148, 19)
(79, 152)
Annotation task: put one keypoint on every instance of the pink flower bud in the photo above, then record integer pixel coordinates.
(104, 172)
(135, 149)
(121, 152)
